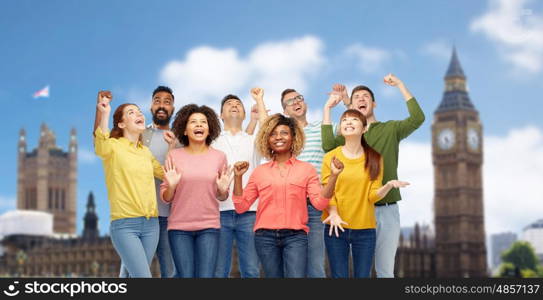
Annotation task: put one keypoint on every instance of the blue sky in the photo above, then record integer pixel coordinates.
(130, 47)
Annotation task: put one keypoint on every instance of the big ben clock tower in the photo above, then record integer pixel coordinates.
(457, 152)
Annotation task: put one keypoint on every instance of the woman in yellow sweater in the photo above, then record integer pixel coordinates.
(130, 168)
(351, 210)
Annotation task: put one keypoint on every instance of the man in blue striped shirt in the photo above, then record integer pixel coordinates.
(295, 107)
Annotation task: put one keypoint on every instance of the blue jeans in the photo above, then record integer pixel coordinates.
(283, 252)
(135, 240)
(163, 253)
(315, 248)
(239, 227)
(388, 235)
(362, 244)
(195, 252)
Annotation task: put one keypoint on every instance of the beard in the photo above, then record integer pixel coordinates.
(161, 121)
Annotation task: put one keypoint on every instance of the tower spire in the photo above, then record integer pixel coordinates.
(456, 95)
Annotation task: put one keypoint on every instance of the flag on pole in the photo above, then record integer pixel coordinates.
(42, 93)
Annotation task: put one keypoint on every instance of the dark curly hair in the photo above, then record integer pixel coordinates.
(182, 118)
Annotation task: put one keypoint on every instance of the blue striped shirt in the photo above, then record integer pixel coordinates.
(312, 152)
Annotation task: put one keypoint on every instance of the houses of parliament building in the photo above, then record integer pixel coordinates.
(47, 182)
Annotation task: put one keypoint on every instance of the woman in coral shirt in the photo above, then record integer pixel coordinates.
(283, 187)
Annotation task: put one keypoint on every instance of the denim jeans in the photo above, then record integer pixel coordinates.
(135, 240)
(283, 252)
(195, 252)
(163, 253)
(388, 235)
(238, 227)
(361, 242)
(315, 248)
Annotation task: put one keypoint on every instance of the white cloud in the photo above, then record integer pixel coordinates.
(206, 74)
(369, 59)
(439, 49)
(7, 203)
(314, 115)
(517, 31)
(512, 176)
(86, 156)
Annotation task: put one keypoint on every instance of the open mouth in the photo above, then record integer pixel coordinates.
(198, 132)
(140, 122)
(279, 144)
(349, 129)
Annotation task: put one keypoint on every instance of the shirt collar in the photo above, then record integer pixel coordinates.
(228, 133)
(292, 160)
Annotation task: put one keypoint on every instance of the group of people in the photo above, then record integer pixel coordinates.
(284, 195)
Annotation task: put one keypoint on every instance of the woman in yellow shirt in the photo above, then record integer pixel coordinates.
(351, 210)
(130, 169)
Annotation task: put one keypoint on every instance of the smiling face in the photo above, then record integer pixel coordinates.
(363, 102)
(280, 139)
(133, 119)
(294, 105)
(162, 108)
(197, 128)
(351, 125)
(233, 109)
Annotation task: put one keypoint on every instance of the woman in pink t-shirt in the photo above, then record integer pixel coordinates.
(196, 178)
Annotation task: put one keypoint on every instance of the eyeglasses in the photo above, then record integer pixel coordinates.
(294, 100)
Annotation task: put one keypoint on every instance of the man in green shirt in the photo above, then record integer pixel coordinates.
(385, 138)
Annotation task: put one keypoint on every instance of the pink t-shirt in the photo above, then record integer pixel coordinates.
(194, 203)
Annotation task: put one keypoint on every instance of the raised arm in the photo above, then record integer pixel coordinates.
(416, 115)
(243, 198)
(103, 98)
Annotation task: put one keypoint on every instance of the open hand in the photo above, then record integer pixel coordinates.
(397, 183)
(172, 176)
(341, 90)
(224, 178)
(335, 222)
(333, 99)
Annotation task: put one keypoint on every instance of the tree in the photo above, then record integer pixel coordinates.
(520, 261)
(521, 255)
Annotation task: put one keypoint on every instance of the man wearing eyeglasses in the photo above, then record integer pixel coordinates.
(295, 107)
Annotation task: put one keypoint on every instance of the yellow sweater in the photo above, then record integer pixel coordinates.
(354, 194)
(129, 174)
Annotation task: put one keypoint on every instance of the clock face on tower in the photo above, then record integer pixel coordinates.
(473, 139)
(446, 139)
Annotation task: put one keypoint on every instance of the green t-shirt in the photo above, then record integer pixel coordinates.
(385, 138)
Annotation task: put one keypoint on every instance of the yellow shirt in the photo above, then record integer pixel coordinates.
(354, 193)
(130, 172)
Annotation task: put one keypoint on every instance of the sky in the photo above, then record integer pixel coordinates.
(207, 49)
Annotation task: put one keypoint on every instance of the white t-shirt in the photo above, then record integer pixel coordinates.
(238, 147)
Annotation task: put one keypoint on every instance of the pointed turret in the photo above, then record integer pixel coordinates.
(456, 95)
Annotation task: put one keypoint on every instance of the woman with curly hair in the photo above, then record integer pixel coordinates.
(196, 178)
(282, 186)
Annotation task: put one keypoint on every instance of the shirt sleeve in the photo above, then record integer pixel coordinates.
(376, 184)
(158, 172)
(416, 117)
(325, 175)
(102, 143)
(314, 189)
(250, 194)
